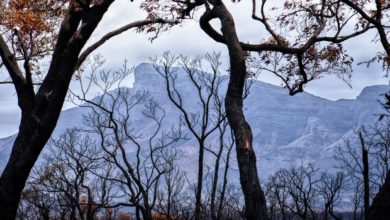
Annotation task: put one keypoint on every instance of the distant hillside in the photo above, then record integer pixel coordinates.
(286, 129)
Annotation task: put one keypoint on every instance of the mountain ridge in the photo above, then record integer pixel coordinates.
(287, 129)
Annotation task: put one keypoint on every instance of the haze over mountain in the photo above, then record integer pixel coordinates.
(287, 129)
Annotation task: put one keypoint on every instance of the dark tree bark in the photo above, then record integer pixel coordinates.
(366, 180)
(225, 181)
(199, 184)
(214, 185)
(255, 204)
(40, 112)
(380, 207)
(215, 9)
(204, 126)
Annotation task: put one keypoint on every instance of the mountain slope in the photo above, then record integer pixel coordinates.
(286, 129)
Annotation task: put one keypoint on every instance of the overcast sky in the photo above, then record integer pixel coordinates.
(190, 40)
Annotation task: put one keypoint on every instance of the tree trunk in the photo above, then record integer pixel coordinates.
(198, 199)
(169, 202)
(333, 214)
(146, 214)
(26, 149)
(366, 181)
(225, 181)
(45, 213)
(137, 214)
(326, 211)
(215, 177)
(90, 213)
(255, 204)
(41, 110)
(380, 207)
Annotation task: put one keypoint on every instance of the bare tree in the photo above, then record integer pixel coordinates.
(277, 196)
(232, 205)
(379, 140)
(218, 189)
(372, 15)
(70, 28)
(311, 49)
(206, 87)
(222, 192)
(355, 162)
(330, 188)
(65, 186)
(110, 119)
(36, 203)
(301, 192)
(304, 60)
(171, 196)
(367, 165)
(295, 190)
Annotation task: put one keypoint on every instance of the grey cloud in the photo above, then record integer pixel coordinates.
(190, 40)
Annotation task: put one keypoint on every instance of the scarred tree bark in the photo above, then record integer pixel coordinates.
(215, 9)
(255, 204)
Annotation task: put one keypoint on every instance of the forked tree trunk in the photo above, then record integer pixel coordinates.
(41, 110)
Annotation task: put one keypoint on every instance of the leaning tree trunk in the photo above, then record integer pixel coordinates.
(38, 121)
(41, 110)
(25, 152)
(255, 204)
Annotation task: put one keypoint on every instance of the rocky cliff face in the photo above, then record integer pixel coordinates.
(286, 129)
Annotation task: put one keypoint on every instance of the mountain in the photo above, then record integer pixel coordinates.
(286, 129)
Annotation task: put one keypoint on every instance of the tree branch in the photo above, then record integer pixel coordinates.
(118, 31)
(11, 82)
(26, 63)
(9, 61)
